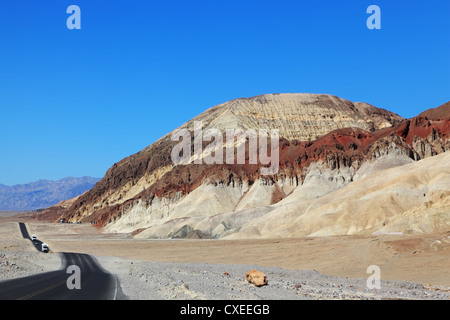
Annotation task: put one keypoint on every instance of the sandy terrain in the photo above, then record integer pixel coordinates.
(412, 266)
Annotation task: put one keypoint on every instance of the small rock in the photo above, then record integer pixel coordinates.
(256, 277)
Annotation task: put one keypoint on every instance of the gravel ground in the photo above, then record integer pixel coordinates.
(22, 264)
(143, 280)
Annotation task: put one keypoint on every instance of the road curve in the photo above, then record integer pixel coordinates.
(95, 282)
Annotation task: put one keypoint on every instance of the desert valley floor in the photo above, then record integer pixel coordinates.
(412, 266)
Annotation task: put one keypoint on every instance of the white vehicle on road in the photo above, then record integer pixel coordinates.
(33, 237)
(45, 247)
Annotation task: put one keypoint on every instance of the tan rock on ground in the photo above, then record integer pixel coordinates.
(256, 277)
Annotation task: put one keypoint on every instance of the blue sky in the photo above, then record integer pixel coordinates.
(74, 102)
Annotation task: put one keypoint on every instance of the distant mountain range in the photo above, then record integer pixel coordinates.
(42, 193)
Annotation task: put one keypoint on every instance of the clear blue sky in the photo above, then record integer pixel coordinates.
(74, 102)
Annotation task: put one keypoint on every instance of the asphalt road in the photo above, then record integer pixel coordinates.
(94, 282)
(37, 243)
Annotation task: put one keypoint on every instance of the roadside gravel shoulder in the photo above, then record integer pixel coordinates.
(22, 264)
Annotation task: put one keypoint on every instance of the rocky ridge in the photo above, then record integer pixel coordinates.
(325, 143)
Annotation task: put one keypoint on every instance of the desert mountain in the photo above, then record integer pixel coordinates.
(413, 199)
(326, 145)
(302, 117)
(42, 193)
(441, 112)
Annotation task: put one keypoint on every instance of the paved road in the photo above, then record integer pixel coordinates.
(95, 282)
(37, 243)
